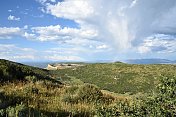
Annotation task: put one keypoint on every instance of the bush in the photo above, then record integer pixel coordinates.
(89, 93)
(160, 104)
(17, 111)
(31, 78)
(2, 112)
(85, 93)
(163, 103)
(107, 112)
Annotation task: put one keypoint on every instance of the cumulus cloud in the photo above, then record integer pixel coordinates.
(80, 9)
(76, 43)
(116, 26)
(124, 24)
(56, 33)
(13, 18)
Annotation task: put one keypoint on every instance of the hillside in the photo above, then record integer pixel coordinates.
(27, 91)
(31, 91)
(120, 77)
(12, 71)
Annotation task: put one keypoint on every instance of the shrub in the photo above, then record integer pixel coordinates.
(163, 103)
(31, 78)
(17, 111)
(2, 112)
(160, 104)
(85, 93)
(89, 93)
(107, 112)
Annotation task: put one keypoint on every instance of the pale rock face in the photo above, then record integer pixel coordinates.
(62, 66)
(50, 67)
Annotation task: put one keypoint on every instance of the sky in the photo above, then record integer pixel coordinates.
(87, 30)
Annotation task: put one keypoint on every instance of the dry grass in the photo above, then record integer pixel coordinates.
(54, 99)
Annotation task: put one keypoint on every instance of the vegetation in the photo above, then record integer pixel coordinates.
(120, 77)
(41, 93)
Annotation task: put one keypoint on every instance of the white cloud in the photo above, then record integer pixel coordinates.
(126, 25)
(12, 52)
(24, 57)
(72, 9)
(11, 17)
(9, 32)
(45, 1)
(53, 0)
(56, 33)
(29, 36)
(144, 49)
(9, 10)
(15, 53)
(159, 44)
(133, 3)
(26, 27)
(102, 46)
(123, 24)
(41, 1)
(64, 58)
(64, 54)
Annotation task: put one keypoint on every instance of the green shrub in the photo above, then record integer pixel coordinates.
(162, 103)
(85, 93)
(2, 112)
(89, 92)
(107, 112)
(31, 78)
(17, 111)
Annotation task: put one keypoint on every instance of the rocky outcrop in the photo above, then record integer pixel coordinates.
(50, 67)
(62, 66)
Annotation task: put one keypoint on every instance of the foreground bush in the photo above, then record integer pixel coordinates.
(164, 103)
(83, 93)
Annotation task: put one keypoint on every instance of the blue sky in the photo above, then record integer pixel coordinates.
(87, 30)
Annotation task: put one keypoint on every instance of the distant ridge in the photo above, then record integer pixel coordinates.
(149, 61)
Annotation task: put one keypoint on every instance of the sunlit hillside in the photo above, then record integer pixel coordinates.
(86, 91)
(120, 77)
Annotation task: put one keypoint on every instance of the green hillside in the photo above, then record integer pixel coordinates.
(30, 91)
(120, 77)
(27, 91)
(12, 71)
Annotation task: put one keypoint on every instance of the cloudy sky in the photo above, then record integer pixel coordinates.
(87, 30)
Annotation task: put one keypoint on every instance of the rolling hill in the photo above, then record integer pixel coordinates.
(120, 77)
(88, 90)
